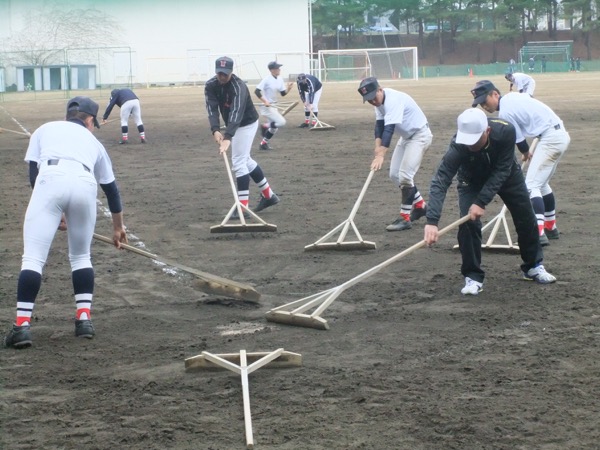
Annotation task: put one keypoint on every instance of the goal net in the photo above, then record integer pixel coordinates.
(356, 64)
(556, 53)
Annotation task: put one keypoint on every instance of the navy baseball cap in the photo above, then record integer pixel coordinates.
(274, 65)
(481, 90)
(224, 65)
(368, 88)
(86, 105)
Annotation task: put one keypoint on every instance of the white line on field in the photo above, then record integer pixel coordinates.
(15, 120)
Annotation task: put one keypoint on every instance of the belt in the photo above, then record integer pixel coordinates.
(54, 162)
(556, 127)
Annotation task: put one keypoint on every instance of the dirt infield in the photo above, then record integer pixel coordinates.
(408, 362)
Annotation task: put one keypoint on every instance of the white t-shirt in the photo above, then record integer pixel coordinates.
(400, 109)
(270, 86)
(72, 141)
(529, 116)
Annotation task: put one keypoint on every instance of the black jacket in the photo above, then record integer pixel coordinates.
(118, 97)
(234, 103)
(486, 170)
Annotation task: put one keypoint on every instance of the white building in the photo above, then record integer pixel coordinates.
(176, 41)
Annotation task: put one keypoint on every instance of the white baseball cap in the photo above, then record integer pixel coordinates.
(471, 125)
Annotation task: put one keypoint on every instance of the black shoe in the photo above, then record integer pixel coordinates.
(399, 224)
(235, 215)
(84, 328)
(544, 242)
(304, 125)
(552, 234)
(18, 337)
(143, 141)
(123, 142)
(266, 202)
(417, 213)
(265, 146)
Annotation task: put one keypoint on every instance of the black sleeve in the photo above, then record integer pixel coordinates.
(113, 197)
(111, 104)
(386, 136)
(258, 92)
(33, 173)
(379, 125)
(523, 146)
(505, 148)
(441, 181)
(212, 106)
(239, 96)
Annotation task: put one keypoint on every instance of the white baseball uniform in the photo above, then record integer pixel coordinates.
(270, 87)
(523, 83)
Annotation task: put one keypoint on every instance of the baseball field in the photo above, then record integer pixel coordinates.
(407, 361)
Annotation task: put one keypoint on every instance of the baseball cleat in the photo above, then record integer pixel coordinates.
(84, 328)
(472, 287)
(235, 215)
(539, 275)
(18, 337)
(399, 224)
(266, 202)
(265, 146)
(304, 125)
(417, 213)
(143, 141)
(552, 234)
(544, 242)
(123, 142)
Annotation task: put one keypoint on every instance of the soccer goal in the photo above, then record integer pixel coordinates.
(553, 56)
(356, 64)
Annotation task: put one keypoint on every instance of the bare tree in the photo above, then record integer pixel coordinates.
(49, 31)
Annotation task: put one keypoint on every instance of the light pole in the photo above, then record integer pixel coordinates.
(339, 28)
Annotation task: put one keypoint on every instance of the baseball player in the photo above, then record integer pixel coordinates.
(266, 91)
(531, 118)
(482, 156)
(66, 163)
(522, 82)
(397, 111)
(310, 90)
(228, 95)
(130, 106)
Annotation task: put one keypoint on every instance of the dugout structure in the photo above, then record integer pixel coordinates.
(357, 64)
(556, 53)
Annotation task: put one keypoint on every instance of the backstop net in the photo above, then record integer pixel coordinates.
(356, 64)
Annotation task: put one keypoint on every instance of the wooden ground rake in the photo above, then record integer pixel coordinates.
(242, 226)
(500, 221)
(340, 244)
(238, 363)
(318, 125)
(206, 282)
(294, 313)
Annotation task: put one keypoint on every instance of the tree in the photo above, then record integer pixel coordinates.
(48, 32)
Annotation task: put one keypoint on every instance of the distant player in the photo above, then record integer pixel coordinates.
(267, 91)
(310, 90)
(531, 118)
(130, 106)
(397, 111)
(228, 96)
(522, 83)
